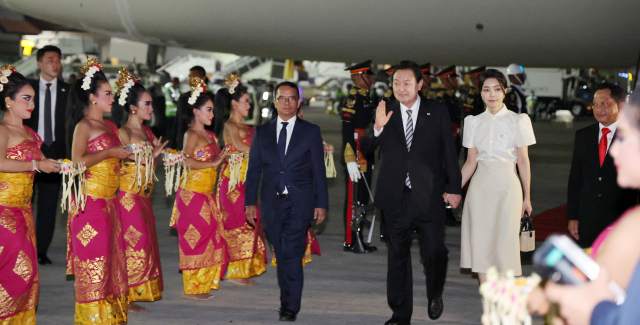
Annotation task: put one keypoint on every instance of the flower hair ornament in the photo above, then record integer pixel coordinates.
(232, 82)
(5, 72)
(88, 70)
(124, 83)
(197, 87)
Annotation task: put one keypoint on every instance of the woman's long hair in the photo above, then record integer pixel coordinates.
(185, 116)
(133, 97)
(11, 88)
(78, 104)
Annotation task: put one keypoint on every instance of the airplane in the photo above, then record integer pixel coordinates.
(543, 33)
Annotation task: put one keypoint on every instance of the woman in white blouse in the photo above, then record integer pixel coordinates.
(497, 140)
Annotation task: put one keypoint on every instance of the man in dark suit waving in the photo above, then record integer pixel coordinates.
(48, 119)
(418, 158)
(289, 154)
(594, 199)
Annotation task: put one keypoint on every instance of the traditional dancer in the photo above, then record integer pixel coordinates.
(136, 184)
(196, 214)
(246, 249)
(95, 242)
(20, 158)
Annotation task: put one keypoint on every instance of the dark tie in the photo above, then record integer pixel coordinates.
(282, 148)
(48, 131)
(409, 137)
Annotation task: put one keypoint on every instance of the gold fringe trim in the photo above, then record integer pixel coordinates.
(349, 154)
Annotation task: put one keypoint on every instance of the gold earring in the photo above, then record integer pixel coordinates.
(133, 112)
(8, 105)
(94, 103)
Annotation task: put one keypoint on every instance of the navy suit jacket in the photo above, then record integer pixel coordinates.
(303, 172)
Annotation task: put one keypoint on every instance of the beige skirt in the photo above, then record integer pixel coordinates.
(491, 219)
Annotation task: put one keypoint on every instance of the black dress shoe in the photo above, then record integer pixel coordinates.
(287, 315)
(396, 321)
(43, 259)
(436, 306)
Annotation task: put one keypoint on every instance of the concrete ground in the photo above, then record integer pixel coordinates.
(340, 288)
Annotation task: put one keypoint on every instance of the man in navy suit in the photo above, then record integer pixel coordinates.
(48, 119)
(289, 154)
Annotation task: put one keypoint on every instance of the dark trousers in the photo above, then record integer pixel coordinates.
(363, 194)
(48, 187)
(289, 247)
(400, 227)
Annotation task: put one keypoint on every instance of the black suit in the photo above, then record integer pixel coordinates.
(594, 197)
(431, 163)
(287, 219)
(49, 183)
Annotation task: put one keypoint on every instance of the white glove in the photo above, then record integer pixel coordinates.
(354, 171)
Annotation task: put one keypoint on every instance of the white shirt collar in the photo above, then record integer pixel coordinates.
(503, 111)
(43, 83)
(413, 108)
(613, 127)
(291, 121)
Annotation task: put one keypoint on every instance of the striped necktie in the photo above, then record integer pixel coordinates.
(409, 138)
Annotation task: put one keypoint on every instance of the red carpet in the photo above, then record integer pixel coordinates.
(552, 221)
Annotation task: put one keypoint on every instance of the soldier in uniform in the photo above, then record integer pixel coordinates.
(449, 79)
(426, 77)
(358, 111)
(515, 100)
(389, 96)
(472, 100)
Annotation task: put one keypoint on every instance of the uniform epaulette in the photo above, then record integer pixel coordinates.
(389, 93)
(473, 91)
(441, 93)
(353, 91)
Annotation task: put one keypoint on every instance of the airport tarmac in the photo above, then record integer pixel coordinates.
(340, 287)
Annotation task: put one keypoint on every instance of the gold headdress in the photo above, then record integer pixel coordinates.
(232, 82)
(124, 83)
(5, 72)
(88, 70)
(197, 87)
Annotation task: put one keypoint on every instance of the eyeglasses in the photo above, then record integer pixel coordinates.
(284, 99)
(605, 105)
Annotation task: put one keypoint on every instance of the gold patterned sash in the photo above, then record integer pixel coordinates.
(15, 189)
(243, 169)
(104, 179)
(127, 180)
(201, 180)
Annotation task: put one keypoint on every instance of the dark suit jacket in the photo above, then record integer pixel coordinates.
(431, 163)
(303, 172)
(58, 148)
(594, 197)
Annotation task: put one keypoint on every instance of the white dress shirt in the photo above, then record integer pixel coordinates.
(613, 127)
(498, 136)
(292, 122)
(405, 116)
(43, 91)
